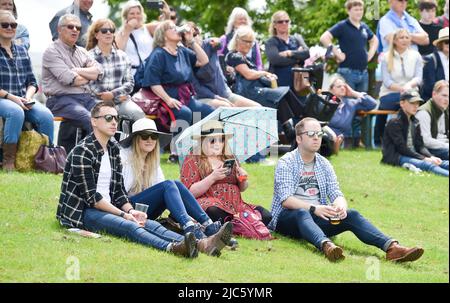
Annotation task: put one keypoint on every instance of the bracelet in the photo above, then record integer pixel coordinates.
(6, 96)
(122, 214)
(130, 210)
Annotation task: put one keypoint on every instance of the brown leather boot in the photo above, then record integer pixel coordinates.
(398, 253)
(9, 156)
(332, 252)
(186, 248)
(214, 244)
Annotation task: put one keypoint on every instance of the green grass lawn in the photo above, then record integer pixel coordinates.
(411, 208)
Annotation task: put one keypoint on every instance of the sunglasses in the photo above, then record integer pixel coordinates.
(402, 0)
(145, 136)
(72, 27)
(6, 25)
(215, 140)
(173, 17)
(108, 118)
(106, 30)
(283, 21)
(312, 133)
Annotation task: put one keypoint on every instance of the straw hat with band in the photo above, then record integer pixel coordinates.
(212, 128)
(148, 126)
(443, 35)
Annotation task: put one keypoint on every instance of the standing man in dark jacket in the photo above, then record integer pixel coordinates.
(403, 143)
(78, 8)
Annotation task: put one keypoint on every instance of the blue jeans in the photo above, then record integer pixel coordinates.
(440, 153)
(388, 102)
(152, 234)
(355, 78)
(14, 116)
(441, 170)
(300, 224)
(175, 197)
(186, 112)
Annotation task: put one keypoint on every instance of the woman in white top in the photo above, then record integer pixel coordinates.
(134, 26)
(145, 184)
(401, 70)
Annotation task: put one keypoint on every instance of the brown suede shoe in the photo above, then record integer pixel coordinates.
(397, 253)
(186, 248)
(214, 244)
(332, 252)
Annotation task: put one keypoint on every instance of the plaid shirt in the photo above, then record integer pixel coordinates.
(16, 73)
(79, 185)
(117, 77)
(287, 178)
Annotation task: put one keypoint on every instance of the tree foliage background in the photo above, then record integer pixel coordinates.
(309, 17)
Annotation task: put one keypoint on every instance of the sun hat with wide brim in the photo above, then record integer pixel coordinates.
(146, 125)
(443, 35)
(212, 128)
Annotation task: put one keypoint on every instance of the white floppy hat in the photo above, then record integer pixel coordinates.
(443, 35)
(145, 125)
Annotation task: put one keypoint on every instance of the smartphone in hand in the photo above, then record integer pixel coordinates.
(229, 163)
(29, 103)
(155, 4)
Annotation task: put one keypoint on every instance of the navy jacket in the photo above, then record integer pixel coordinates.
(433, 71)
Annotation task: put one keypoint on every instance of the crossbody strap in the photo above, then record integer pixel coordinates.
(137, 49)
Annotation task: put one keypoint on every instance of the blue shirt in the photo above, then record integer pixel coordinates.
(353, 42)
(287, 178)
(163, 68)
(16, 73)
(390, 23)
(217, 85)
(341, 122)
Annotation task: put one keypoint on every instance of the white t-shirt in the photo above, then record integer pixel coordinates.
(104, 177)
(308, 187)
(144, 42)
(128, 174)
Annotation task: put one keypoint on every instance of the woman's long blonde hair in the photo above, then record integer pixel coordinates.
(275, 17)
(391, 51)
(143, 175)
(204, 166)
(236, 13)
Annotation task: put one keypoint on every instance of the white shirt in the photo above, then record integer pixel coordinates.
(444, 60)
(104, 177)
(144, 43)
(128, 174)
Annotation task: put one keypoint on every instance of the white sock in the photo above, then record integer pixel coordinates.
(207, 222)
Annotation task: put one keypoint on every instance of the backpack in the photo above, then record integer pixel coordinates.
(247, 223)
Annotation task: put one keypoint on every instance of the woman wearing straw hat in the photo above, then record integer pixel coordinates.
(436, 64)
(144, 182)
(217, 188)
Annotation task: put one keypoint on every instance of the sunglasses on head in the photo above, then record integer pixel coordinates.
(108, 118)
(6, 25)
(106, 30)
(145, 136)
(282, 21)
(312, 133)
(72, 27)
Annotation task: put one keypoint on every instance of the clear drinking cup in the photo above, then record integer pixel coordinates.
(143, 208)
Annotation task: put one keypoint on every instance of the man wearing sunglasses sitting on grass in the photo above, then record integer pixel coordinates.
(304, 181)
(66, 71)
(93, 195)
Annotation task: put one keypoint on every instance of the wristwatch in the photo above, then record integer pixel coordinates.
(122, 214)
(312, 209)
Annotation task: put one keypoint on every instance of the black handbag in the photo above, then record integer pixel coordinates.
(321, 106)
